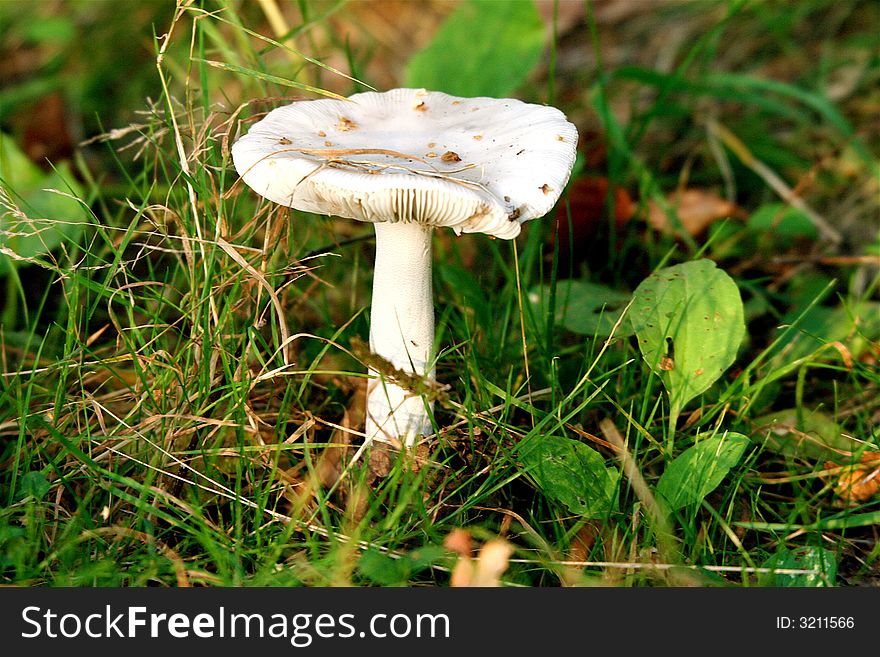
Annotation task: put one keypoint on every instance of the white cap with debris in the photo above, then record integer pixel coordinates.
(408, 160)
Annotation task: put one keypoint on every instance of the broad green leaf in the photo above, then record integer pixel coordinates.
(484, 48)
(382, 569)
(425, 556)
(822, 562)
(584, 308)
(699, 470)
(15, 167)
(390, 571)
(41, 219)
(571, 473)
(14, 545)
(34, 484)
(689, 323)
(783, 221)
(57, 31)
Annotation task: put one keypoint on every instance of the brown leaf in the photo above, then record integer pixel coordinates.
(46, 135)
(333, 460)
(696, 208)
(579, 551)
(857, 483)
(666, 364)
(582, 543)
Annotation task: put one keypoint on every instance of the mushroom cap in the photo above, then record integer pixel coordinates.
(474, 164)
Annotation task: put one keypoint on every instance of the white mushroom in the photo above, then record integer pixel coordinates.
(408, 160)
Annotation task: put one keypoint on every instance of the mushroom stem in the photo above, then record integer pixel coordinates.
(401, 331)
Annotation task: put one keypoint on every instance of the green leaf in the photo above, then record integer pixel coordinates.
(689, 323)
(783, 221)
(382, 569)
(34, 484)
(571, 473)
(58, 31)
(424, 557)
(386, 570)
(822, 562)
(34, 219)
(584, 308)
(484, 48)
(14, 546)
(700, 469)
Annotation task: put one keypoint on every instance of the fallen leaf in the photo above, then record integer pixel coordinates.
(859, 482)
(582, 544)
(46, 135)
(381, 460)
(334, 458)
(696, 208)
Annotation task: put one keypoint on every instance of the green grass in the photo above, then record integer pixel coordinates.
(155, 432)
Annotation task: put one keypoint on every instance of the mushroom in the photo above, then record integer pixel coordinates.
(408, 160)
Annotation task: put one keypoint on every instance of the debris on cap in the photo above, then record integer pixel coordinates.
(472, 164)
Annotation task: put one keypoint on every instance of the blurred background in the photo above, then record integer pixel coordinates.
(74, 69)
